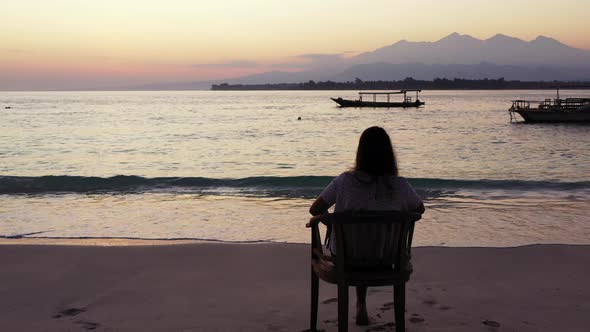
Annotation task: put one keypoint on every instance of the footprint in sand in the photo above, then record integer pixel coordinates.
(382, 327)
(386, 306)
(88, 325)
(69, 312)
(430, 302)
(328, 301)
(491, 323)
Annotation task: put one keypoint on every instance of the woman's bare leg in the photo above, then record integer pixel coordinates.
(362, 317)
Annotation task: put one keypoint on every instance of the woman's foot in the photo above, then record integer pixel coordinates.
(362, 317)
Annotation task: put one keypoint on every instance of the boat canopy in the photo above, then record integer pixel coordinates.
(404, 92)
(390, 93)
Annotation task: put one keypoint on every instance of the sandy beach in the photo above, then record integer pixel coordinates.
(265, 287)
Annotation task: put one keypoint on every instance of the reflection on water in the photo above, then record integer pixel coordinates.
(448, 221)
(458, 135)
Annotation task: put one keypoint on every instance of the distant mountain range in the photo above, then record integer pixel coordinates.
(464, 49)
(454, 56)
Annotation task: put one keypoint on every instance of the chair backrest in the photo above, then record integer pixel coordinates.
(373, 238)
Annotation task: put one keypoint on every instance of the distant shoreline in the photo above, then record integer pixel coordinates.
(408, 83)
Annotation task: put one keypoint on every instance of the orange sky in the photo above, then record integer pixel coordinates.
(62, 43)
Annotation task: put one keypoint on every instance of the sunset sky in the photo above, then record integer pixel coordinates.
(108, 43)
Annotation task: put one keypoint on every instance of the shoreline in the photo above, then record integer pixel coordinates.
(211, 286)
(99, 242)
(115, 241)
(131, 241)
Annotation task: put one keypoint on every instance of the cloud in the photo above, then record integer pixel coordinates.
(323, 60)
(229, 64)
(294, 63)
(288, 65)
(302, 61)
(319, 57)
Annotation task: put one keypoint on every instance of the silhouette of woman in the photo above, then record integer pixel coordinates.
(373, 184)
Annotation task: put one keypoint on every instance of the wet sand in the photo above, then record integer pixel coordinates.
(265, 287)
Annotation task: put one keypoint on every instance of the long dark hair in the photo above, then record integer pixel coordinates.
(375, 153)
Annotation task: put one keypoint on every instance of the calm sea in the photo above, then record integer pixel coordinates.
(240, 166)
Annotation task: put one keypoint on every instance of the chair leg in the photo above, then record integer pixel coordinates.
(315, 284)
(399, 303)
(342, 307)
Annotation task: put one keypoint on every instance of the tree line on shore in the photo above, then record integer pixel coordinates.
(408, 83)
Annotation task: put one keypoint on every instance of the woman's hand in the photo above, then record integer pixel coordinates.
(316, 219)
(420, 209)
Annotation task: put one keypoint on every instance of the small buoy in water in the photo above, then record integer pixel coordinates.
(299, 118)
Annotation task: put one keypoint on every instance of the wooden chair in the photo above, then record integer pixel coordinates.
(372, 249)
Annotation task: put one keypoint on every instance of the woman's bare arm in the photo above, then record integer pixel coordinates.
(318, 207)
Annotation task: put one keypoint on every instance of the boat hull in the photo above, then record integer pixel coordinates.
(553, 116)
(358, 103)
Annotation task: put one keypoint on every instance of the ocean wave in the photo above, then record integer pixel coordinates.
(259, 186)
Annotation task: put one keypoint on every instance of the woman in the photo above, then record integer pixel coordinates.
(373, 184)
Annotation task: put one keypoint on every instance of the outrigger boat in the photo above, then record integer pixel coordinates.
(364, 103)
(556, 110)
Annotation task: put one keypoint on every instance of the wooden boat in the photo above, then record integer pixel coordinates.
(556, 110)
(407, 102)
